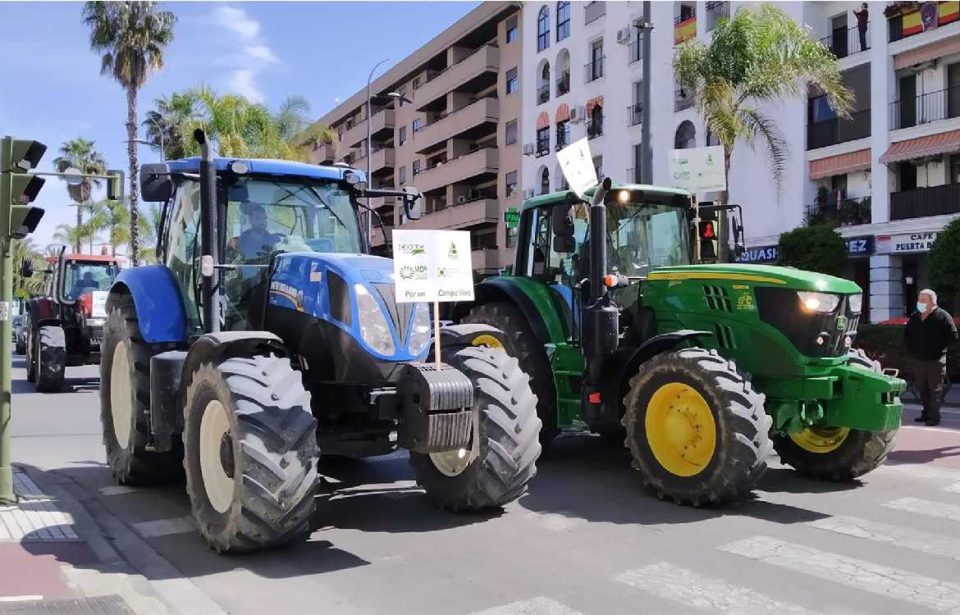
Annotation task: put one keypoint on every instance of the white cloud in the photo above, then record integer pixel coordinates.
(242, 81)
(261, 53)
(237, 21)
(252, 55)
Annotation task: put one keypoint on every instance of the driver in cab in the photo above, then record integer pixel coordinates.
(256, 241)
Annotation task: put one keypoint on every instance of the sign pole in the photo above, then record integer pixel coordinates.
(436, 331)
(7, 495)
(696, 228)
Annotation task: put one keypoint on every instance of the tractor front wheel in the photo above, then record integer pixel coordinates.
(696, 428)
(51, 356)
(837, 453)
(250, 453)
(505, 445)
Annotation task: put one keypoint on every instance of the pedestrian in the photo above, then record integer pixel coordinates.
(863, 17)
(929, 332)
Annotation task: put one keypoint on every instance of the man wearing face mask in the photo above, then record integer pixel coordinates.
(929, 331)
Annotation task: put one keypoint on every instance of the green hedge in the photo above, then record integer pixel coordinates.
(885, 344)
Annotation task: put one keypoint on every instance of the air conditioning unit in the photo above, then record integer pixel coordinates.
(577, 114)
(528, 149)
(461, 199)
(528, 193)
(625, 36)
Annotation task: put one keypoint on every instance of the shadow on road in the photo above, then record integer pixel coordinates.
(904, 457)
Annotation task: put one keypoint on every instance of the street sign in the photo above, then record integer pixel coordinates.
(577, 166)
(511, 217)
(699, 169)
(432, 266)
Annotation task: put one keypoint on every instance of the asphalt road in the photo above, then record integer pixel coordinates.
(585, 539)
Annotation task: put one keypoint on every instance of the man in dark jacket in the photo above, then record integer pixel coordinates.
(929, 331)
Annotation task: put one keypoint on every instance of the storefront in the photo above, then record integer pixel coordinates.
(909, 251)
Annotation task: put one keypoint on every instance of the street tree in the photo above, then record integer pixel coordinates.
(131, 38)
(944, 260)
(113, 219)
(81, 154)
(22, 250)
(171, 117)
(759, 56)
(813, 248)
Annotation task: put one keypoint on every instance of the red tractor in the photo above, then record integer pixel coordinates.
(65, 326)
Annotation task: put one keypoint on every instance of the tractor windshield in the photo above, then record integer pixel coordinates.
(80, 277)
(644, 236)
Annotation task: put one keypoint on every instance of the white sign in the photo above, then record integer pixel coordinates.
(577, 166)
(699, 169)
(432, 266)
(908, 242)
(99, 304)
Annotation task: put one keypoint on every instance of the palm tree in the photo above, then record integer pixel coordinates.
(291, 119)
(131, 38)
(757, 57)
(173, 115)
(114, 219)
(21, 250)
(75, 235)
(80, 154)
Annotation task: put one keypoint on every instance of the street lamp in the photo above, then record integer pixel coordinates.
(143, 142)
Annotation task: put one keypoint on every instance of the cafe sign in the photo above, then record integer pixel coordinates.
(906, 243)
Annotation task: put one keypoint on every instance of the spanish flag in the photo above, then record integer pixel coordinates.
(912, 24)
(949, 12)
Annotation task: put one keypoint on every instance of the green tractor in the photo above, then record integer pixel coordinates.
(699, 368)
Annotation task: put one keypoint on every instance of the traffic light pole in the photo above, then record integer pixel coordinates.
(7, 495)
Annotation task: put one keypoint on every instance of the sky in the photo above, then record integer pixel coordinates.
(52, 90)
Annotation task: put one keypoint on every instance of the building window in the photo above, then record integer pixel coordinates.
(595, 126)
(598, 166)
(416, 82)
(637, 176)
(402, 91)
(543, 87)
(686, 136)
(543, 28)
(402, 135)
(513, 84)
(563, 20)
(511, 133)
(544, 181)
(512, 31)
(416, 168)
(955, 169)
(543, 141)
(595, 66)
(417, 124)
(510, 182)
(402, 175)
(563, 134)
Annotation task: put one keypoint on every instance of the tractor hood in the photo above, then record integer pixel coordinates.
(759, 275)
(354, 293)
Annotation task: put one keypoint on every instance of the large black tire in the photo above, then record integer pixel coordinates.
(31, 362)
(731, 468)
(125, 402)
(520, 343)
(846, 453)
(21, 346)
(503, 459)
(51, 355)
(250, 453)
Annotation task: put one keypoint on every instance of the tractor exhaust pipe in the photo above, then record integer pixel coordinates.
(598, 241)
(209, 259)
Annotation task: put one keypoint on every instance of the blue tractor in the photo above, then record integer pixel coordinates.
(268, 335)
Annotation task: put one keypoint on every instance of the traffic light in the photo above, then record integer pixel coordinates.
(17, 217)
(707, 233)
(115, 185)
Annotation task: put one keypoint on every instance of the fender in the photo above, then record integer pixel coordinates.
(157, 300)
(659, 344)
(461, 336)
(531, 297)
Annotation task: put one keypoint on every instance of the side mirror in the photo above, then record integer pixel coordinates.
(156, 185)
(412, 202)
(26, 268)
(561, 223)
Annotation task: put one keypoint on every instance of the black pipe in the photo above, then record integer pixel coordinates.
(208, 235)
(598, 241)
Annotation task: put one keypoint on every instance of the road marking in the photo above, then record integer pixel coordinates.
(164, 527)
(926, 507)
(925, 472)
(954, 488)
(715, 595)
(117, 490)
(24, 598)
(874, 578)
(534, 606)
(924, 542)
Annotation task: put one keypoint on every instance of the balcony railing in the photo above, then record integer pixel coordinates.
(563, 135)
(684, 29)
(833, 131)
(681, 100)
(715, 12)
(543, 93)
(635, 114)
(841, 212)
(594, 11)
(922, 202)
(843, 43)
(543, 147)
(595, 127)
(563, 84)
(593, 70)
(925, 108)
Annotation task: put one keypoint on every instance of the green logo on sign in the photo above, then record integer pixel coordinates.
(452, 252)
(842, 322)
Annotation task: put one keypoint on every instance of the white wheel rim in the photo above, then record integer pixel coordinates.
(214, 427)
(451, 463)
(121, 397)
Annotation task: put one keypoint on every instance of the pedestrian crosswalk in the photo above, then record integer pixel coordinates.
(926, 507)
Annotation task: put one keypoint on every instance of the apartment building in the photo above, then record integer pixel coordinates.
(889, 176)
(446, 121)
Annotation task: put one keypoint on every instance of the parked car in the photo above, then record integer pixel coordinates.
(19, 334)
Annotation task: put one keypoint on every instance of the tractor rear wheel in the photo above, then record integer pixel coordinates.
(696, 428)
(250, 453)
(51, 353)
(519, 342)
(505, 448)
(837, 453)
(125, 402)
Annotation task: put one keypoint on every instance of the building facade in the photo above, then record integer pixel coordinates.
(446, 121)
(889, 176)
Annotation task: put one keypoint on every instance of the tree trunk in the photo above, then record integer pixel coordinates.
(134, 186)
(77, 248)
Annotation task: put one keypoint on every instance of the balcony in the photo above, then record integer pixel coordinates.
(543, 147)
(485, 259)
(635, 114)
(843, 43)
(543, 93)
(833, 131)
(462, 215)
(477, 119)
(593, 70)
(925, 108)
(480, 163)
(923, 202)
(906, 20)
(681, 100)
(715, 12)
(383, 123)
(684, 29)
(594, 11)
(473, 74)
(563, 84)
(595, 126)
(383, 159)
(839, 212)
(323, 153)
(563, 135)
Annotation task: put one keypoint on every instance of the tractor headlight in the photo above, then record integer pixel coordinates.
(856, 303)
(373, 322)
(822, 303)
(420, 332)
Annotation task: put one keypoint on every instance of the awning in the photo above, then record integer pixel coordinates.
(543, 120)
(596, 101)
(931, 145)
(840, 164)
(939, 49)
(563, 113)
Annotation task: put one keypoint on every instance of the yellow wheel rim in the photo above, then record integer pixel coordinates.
(821, 439)
(681, 430)
(487, 340)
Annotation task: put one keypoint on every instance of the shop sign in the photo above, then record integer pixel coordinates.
(856, 246)
(905, 243)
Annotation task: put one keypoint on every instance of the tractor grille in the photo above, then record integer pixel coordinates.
(781, 308)
(717, 298)
(399, 312)
(725, 336)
